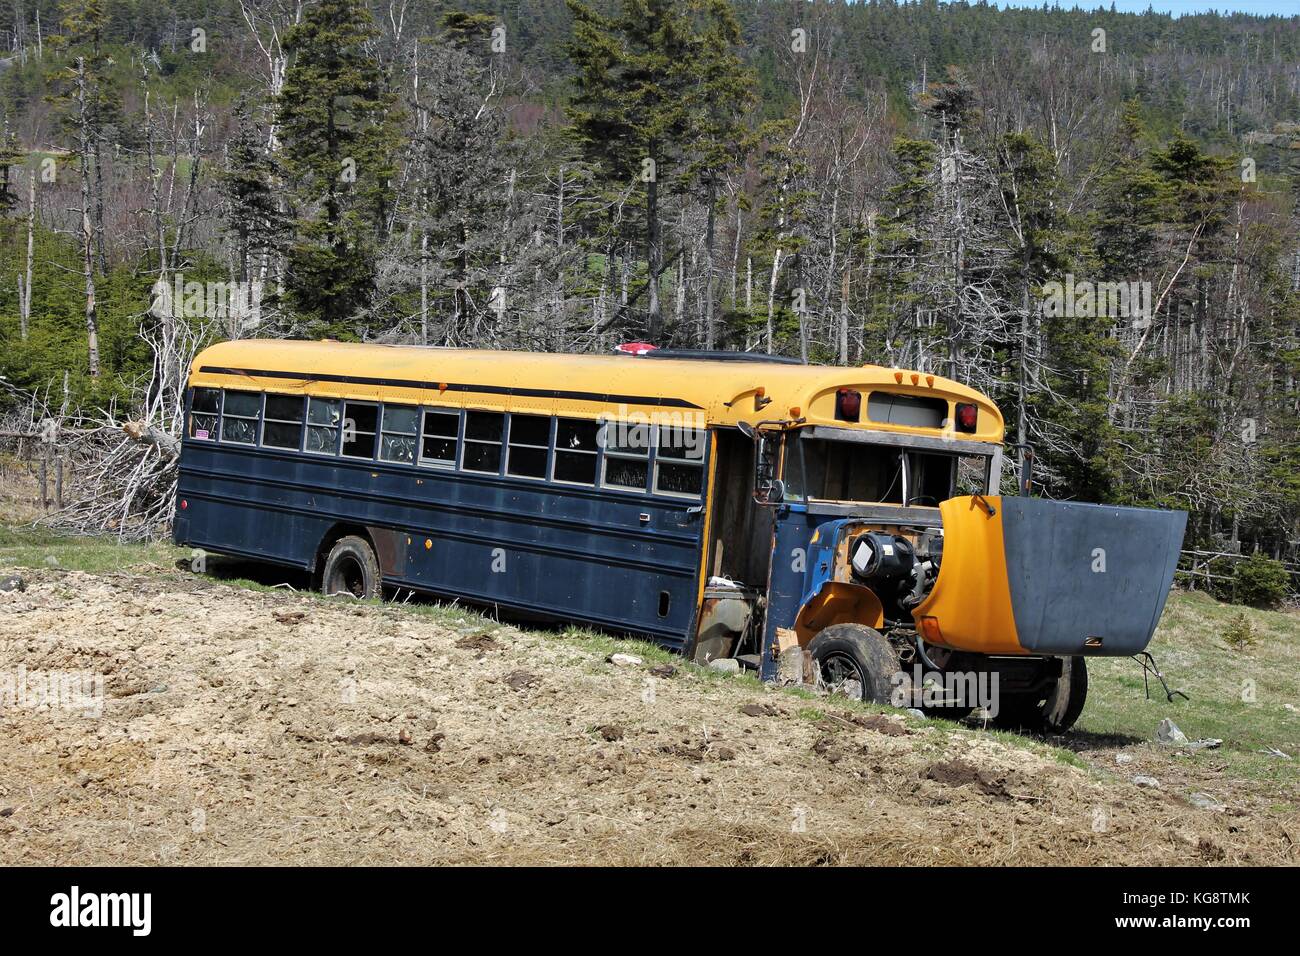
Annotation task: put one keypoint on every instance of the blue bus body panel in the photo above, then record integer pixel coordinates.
(562, 552)
(821, 557)
(791, 564)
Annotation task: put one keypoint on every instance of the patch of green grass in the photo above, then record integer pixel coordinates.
(1238, 695)
(606, 644)
(35, 547)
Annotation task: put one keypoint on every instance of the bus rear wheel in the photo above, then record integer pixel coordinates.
(351, 570)
(1053, 711)
(854, 652)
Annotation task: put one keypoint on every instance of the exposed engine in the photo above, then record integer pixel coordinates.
(901, 571)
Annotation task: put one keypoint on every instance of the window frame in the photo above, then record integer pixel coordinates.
(510, 444)
(383, 432)
(648, 458)
(466, 441)
(301, 423)
(673, 460)
(255, 419)
(444, 464)
(337, 427)
(902, 445)
(374, 448)
(215, 432)
(557, 451)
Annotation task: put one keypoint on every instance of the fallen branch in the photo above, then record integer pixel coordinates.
(147, 434)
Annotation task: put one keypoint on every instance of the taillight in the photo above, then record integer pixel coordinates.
(848, 405)
(967, 416)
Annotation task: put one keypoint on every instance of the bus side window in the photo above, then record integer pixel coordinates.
(530, 443)
(627, 455)
(204, 408)
(483, 441)
(440, 433)
(576, 448)
(360, 423)
(679, 463)
(282, 422)
(397, 443)
(930, 478)
(239, 414)
(973, 475)
(323, 426)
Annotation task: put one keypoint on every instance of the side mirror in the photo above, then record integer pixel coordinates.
(773, 494)
(768, 489)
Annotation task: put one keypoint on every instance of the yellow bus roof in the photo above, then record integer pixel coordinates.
(714, 392)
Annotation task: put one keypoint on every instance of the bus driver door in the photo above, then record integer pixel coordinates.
(738, 554)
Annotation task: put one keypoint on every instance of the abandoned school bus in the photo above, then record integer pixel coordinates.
(723, 504)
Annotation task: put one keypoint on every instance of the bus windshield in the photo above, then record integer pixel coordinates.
(830, 470)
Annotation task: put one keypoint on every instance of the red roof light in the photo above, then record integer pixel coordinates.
(848, 405)
(635, 348)
(967, 417)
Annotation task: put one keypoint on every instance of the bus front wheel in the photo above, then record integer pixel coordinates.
(854, 652)
(1052, 711)
(351, 570)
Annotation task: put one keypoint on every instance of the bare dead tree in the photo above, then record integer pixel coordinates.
(87, 232)
(127, 479)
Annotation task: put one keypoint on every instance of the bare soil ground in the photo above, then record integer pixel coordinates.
(243, 726)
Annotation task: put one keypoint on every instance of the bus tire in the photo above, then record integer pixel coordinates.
(351, 570)
(856, 652)
(1054, 715)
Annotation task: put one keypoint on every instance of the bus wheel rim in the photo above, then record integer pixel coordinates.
(838, 668)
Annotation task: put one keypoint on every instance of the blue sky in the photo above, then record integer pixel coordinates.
(1285, 8)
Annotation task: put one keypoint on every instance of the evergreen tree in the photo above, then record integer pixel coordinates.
(338, 133)
(85, 94)
(629, 110)
(785, 200)
(11, 156)
(902, 238)
(463, 177)
(1037, 233)
(1131, 200)
(248, 185)
(722, 92)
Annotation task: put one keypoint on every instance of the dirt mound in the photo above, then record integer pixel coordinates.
(252, 727)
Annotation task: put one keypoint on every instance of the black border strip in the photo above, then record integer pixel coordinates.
(454, 387)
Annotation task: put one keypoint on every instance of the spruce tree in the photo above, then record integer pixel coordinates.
(722, 92)
(83, 40)
(629, 109)
(11, 156)
(248, 186)
(462, 173)
(339, 141)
